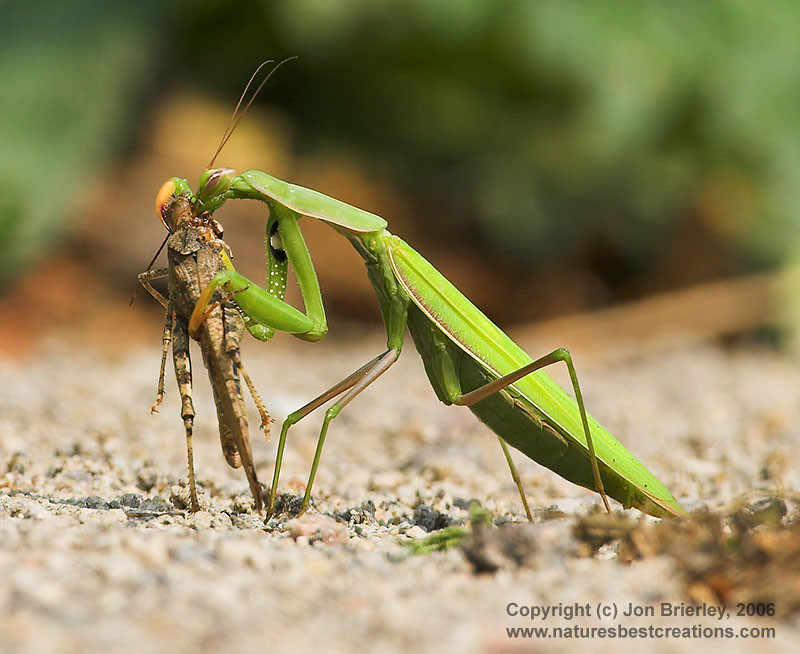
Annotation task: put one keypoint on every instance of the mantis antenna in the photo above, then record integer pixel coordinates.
(236, 117)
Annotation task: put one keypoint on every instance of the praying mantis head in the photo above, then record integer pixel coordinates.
(211, 189)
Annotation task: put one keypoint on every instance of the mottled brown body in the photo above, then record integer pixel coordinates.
(194, 256)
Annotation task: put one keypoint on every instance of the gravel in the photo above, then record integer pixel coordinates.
(97, 552)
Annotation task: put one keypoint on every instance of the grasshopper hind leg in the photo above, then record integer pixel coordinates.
(233, 326)
(183, 374)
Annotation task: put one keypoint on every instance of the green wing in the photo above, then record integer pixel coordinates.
(482, 340)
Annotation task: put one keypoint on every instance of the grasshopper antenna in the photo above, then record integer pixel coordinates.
(236, 117)
(149, 266)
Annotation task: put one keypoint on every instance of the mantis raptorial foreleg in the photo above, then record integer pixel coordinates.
(265, 310)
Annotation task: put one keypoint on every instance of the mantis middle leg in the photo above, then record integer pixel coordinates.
(351, 386)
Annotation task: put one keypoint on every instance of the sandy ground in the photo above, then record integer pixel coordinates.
(96, 553)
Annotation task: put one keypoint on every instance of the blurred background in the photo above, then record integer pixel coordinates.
(550, 158)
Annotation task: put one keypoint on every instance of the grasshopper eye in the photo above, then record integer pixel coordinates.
(214, 182)
(166, 191)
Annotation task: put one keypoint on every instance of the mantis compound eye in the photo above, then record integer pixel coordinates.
(214, 182)
(166, 191)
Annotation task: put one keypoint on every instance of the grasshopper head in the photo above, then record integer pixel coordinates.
(172, 202)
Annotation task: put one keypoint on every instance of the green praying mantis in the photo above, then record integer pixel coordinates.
(468, 359)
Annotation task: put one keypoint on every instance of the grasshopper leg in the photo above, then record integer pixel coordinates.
(233, 350)
(232, 344)
(265, 417)
(165, 339)
(559, 355)
(148, 276)
(183, 373)
(233, 330)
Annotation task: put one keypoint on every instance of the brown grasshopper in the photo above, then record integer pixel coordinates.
(195, 252)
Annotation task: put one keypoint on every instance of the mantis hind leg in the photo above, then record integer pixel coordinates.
(559, 355)
(516, 478)
(442, 367)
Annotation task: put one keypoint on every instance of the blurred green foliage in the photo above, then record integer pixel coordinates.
(542, 128)
(70, 75)
(548, 126)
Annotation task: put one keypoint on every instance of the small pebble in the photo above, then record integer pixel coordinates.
(416, 532)
(201, 520)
